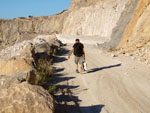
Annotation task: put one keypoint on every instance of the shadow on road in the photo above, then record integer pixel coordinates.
(99, 69)
(66, 100)
(92, 109)
(59, 59)
(60, 78)
(63, 52)
(59, 70)
(74, 109)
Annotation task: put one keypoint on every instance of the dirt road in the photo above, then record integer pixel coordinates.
(111, 84)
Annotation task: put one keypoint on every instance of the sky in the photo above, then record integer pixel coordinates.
(23, 8)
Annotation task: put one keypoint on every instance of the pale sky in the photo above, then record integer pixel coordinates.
(23, 8)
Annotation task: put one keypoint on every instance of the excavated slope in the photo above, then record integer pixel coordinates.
(137, 33)
(19, 29)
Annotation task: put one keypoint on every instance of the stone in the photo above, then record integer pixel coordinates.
(8, 67)
(25, 98)
(113, 55)
(129, 54)
(23, 56)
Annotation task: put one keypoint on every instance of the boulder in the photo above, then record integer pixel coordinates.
(8, 67)
(23, 56)
(25, 98)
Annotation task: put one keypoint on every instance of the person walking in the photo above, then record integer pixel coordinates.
(79, 54)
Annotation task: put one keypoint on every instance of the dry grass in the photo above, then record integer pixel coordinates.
(45, 73)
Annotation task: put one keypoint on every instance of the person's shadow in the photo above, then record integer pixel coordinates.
(101, 68)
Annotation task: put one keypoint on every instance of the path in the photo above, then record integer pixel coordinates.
(111, 85)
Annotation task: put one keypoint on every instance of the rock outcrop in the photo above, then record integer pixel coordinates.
(22, 56)
(19, 29)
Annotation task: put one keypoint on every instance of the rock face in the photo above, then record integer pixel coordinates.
(17, 30)
(75, 4)
(104, 18)
(22, 56)
(25, 98)
(112, 20)
(136, 37)
(99, 19)
(137, 32)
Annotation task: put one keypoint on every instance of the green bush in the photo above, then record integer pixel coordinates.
(52, 89)
(44, 71)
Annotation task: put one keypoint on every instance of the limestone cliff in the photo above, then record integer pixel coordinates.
(104, 18)
(19, 29)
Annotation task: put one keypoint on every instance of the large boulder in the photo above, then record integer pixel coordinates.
(25, 98)
(17, 96)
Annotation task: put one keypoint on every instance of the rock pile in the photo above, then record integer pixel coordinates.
(18, 68)
(142, 54)
(20, 56)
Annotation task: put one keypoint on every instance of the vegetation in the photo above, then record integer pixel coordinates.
(30, 16)
(44, 74)
(52, 89)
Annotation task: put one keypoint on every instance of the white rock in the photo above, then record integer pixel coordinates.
(113, 55)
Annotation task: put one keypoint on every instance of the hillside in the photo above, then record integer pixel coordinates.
(113, 20)
(19, 29)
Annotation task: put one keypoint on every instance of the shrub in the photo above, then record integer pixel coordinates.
(44, 71)
(30, 16)
(52, 89)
